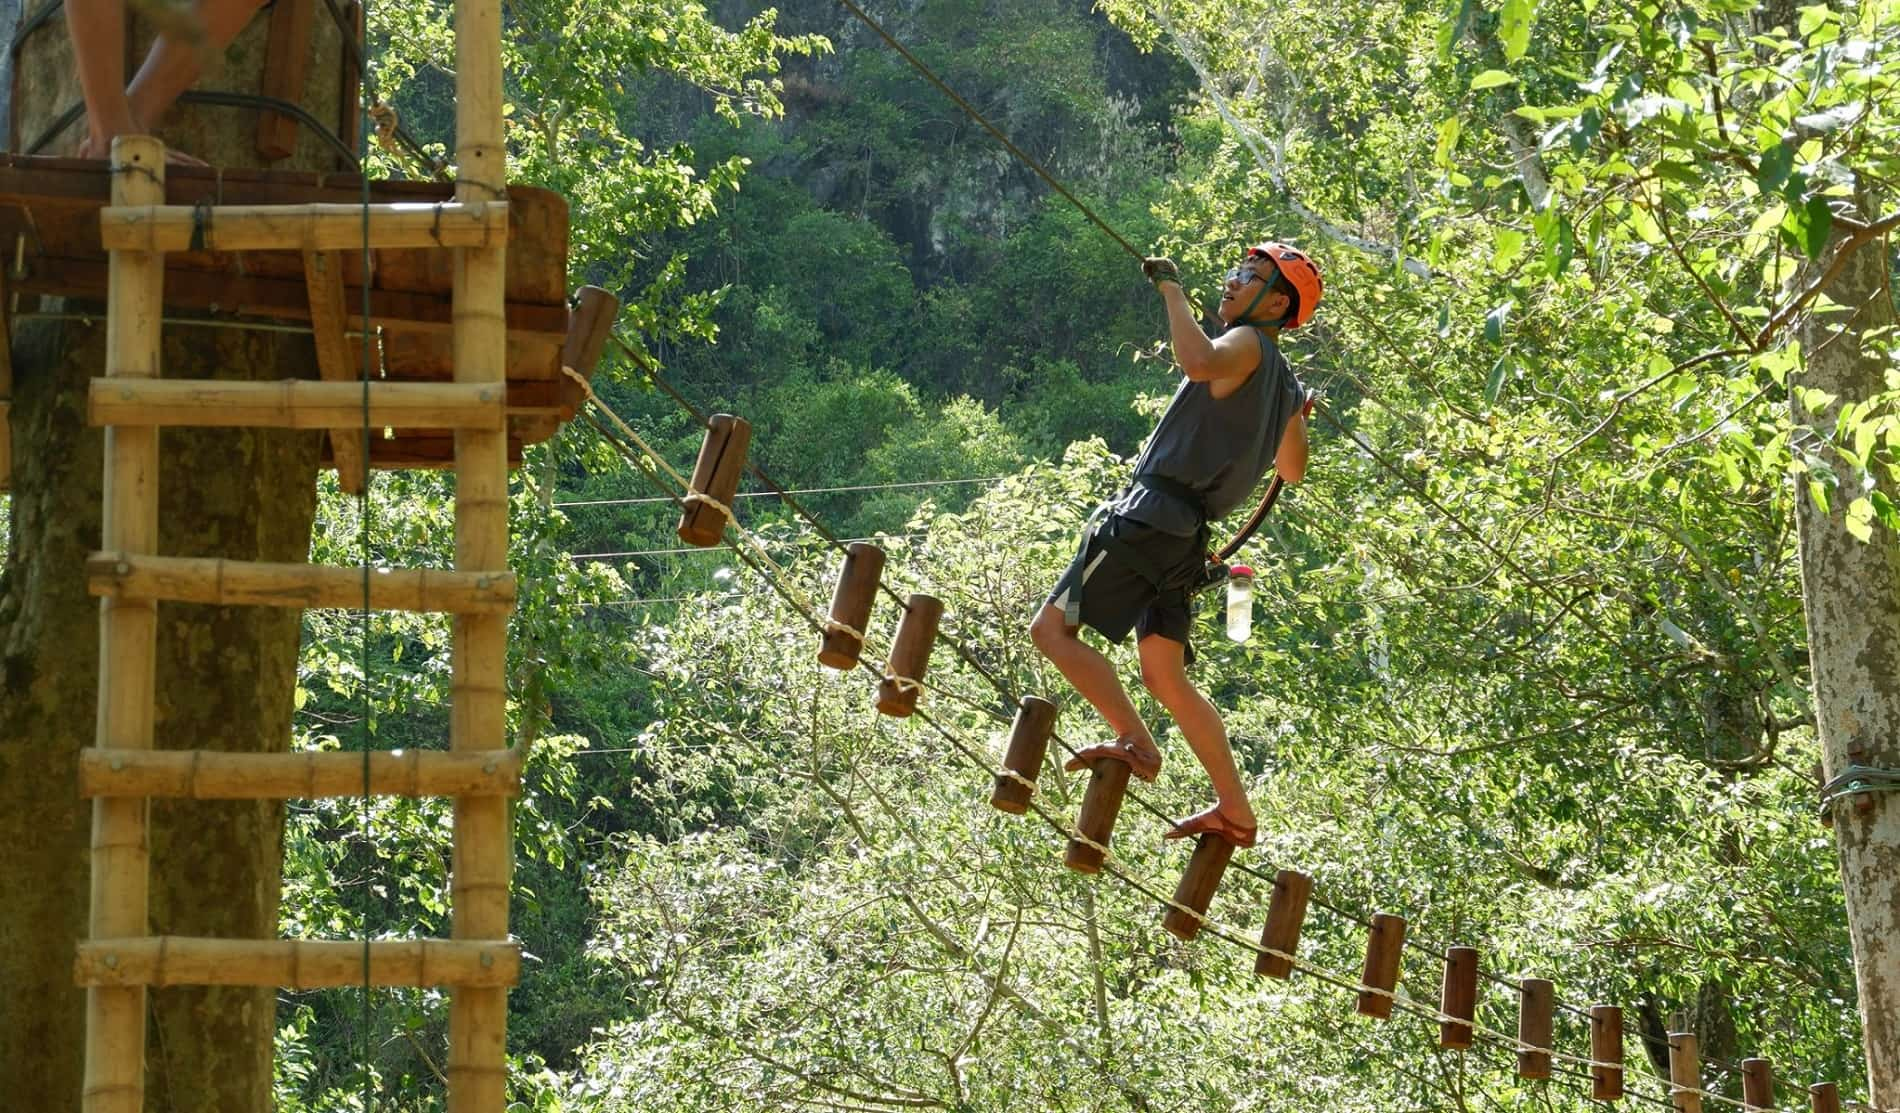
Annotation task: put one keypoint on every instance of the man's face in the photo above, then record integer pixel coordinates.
(1244, 283)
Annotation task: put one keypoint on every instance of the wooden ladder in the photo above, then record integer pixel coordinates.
(121, 960)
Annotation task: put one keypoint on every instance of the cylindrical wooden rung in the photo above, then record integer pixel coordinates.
(1758, 1084)
(1198, 882)
(716, 477)
(1824, 1097)
(1101, 804)
(312, 227)
(1536, 1011)
(851, 605)
(1028, 744)
(910, 655)
(1458, 998)
(216, 775)
(1685, 1072)
(169, 960)
(589, 323)
(1606, 1052)
(297, 404)
(221, 582)
(1286, 914)
(1384, 944)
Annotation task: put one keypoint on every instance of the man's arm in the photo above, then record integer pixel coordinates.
(1290, 461)
(1233, 355)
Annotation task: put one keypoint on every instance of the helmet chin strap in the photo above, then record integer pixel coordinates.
(1245, 314)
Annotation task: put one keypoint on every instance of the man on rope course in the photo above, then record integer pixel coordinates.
(1239, 410)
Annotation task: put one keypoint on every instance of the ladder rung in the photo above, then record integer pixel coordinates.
(223, 582)
(297, 404)
(315, 227)
(219, 775)
(168, 960)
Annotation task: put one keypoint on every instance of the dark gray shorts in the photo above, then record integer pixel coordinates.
(1117, 598)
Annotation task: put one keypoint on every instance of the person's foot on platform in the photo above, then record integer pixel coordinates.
(1142, 756)
(1243, 833)
(98, 145)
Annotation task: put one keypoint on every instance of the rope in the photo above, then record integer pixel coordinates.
(1859, 780)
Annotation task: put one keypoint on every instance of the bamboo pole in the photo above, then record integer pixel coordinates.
(1384, 943)
(1458, 998)
(135, 297)
(1286, 913)
(169, 960)
(1685, 1072)
(218, 775)
(1758, 1085)
(483, 853)
(1606, 1052)
(1198, 882)
(298, 404)
(1824, 1097)
(315, 227)
(910, 655)
(1536, 1009)
(1028, 744)
(221, 582)
(851, 604)
(715, 480)
(337, 360)
(1101, 804)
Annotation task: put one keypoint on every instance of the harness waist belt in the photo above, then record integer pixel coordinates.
(1174, 488)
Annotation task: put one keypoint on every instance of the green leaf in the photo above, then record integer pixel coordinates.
(1495, 320)
(1491, 79)
(1507, 245)
(1494, 383)
(1514, 28)
(1773, 169)
(1449, 129)
(1885, 510)
(1860, 519)
(1806, 228)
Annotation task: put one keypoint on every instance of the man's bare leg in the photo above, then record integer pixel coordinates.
(98, 31)
(177, 59)
(1164, 671)
(1093, 676)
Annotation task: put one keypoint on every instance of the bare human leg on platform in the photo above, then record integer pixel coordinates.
(177, 60)
(1164, 672)
(1093, 677)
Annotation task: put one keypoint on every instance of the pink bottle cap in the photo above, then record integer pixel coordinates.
(1240, 570)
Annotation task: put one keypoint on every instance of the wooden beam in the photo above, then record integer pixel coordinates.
(286, 60)
(219, 582)
(307, 227)
(312, 775)
(298, 404)
(168, 960)
(589, 324)
(323, 276)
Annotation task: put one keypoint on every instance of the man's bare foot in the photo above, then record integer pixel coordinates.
(1214, 822)
(1141, 755)
(100, 148)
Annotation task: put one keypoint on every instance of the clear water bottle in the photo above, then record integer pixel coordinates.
(1239, 602)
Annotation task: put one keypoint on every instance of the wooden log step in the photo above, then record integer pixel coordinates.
(313, 227)
(168, 960)
(241, 583)
(218, 775)
(297, 404)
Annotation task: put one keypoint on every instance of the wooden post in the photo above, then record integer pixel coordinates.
(286, 58)
(128, 633)
(338, 361)
(1384, 945)
(1028, 743)
(1101, 804)
(1685, 1072)
(1286, 913)
(1824, 1097)
(910, 655)
(1535, 1016)
(483, 852)
(851, 605)
(1458, 998)
(1198, 882)
(716, 477)
(1758, 1085)
(1606, 1052)
(589, 324)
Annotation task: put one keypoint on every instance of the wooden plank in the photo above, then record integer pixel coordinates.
(169, 960)
(245, 583)
(286, 60)
(217, 775)
(336, 360)
(305, 227)
(589, 324)
(298, 404)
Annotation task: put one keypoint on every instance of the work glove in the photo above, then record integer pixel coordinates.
(1159, 269)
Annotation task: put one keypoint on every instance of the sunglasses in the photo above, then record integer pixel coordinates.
(1248, 273)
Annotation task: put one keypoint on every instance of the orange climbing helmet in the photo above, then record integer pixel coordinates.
(1301, 274)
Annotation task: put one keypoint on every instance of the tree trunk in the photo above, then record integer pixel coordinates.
(225, 675)
(1851, 594)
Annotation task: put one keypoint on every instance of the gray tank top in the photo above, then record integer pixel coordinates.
(1217, 446)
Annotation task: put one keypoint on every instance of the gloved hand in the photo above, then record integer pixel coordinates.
(1159, 269)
